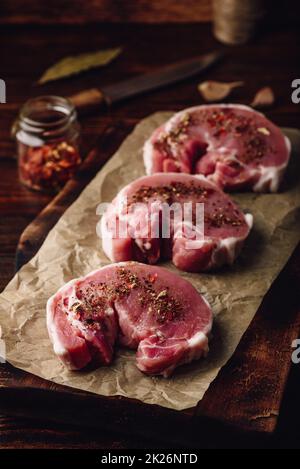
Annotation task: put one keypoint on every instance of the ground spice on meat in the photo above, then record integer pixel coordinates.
(221, 122)
(170, 193)
(95, 299)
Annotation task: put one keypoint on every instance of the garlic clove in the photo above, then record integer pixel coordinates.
(217, 90)
(264, 98)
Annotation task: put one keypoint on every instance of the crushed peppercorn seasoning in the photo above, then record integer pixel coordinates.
(220, 122)
(94, 299)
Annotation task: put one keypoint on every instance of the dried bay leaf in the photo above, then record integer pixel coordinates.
(79, 63)
(264, 98)
(217, 90)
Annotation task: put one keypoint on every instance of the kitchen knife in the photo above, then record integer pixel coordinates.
(94, 97)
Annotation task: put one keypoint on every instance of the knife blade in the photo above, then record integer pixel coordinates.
(170, 74)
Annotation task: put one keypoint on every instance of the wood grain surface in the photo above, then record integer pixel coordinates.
(128, 11)
(272, 59)
(83, 11)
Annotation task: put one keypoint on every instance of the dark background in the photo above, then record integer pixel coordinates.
(35, 34)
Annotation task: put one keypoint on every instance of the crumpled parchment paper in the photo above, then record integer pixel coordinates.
(72, 249)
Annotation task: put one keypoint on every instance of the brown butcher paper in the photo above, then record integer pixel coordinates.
(73, 249)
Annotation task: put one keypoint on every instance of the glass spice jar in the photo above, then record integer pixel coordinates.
(48, 136)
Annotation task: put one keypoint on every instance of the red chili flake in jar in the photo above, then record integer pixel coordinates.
(47, 135)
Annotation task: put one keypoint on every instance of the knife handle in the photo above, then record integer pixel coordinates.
(88, 100)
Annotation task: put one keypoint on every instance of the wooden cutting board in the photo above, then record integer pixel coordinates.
(247, 393)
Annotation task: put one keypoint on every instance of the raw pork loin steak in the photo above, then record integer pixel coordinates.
(225, 225)
(233, 145)
(147, 308)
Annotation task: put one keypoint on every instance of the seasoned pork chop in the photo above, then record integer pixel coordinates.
(147, 308)
(141, 207)
(232, 145)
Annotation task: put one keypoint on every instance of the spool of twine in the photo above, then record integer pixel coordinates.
(235, 21)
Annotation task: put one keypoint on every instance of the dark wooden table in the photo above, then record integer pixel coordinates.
(272, 59)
